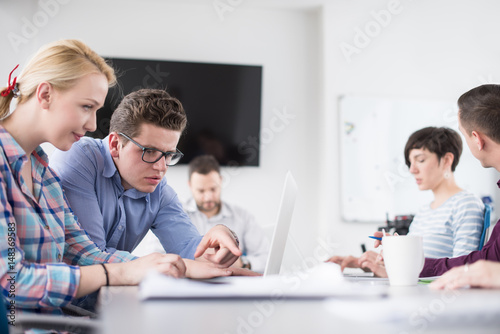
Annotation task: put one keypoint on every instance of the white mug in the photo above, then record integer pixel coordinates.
(403, 258)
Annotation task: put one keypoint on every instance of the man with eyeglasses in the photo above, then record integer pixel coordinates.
(116, 186)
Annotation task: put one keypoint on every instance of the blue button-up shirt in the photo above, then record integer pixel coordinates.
(115, 218)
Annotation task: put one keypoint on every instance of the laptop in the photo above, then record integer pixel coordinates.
(282, 227)
(280, 234)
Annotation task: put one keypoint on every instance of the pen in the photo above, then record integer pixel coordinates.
(377, 238)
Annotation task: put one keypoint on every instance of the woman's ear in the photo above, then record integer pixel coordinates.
(447, 160)
(114, 144)
(44, 94)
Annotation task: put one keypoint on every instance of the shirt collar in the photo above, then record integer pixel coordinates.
(191, 205)
(134, 193)
(41, 156)
(14, 152)
(109, 165)
(12, 149)
(224, 211)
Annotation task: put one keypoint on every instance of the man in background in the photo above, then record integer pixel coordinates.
(206, 210)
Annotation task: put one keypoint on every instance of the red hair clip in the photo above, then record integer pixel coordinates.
(11, 87)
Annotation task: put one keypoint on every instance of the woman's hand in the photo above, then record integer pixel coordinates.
(128, 273)
(200, 269)
(132, 273)
(345, 261)
(373, 262)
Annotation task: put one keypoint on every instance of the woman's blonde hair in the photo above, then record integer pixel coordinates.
(61, 64)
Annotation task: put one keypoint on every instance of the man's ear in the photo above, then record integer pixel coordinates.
(44, 94)
(114, 144)
(478, 140)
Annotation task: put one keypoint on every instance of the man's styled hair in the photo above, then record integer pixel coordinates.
(479, 110)
(203, 164)
(436, 140)
(152, 106)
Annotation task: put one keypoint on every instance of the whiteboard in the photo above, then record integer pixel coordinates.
(375, 180)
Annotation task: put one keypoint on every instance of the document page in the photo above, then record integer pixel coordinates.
(323, 281)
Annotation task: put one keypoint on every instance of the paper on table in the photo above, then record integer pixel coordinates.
(323, 281)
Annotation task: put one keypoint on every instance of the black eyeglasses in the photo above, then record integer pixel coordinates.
(152, 155)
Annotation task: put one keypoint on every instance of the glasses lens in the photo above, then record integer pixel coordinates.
(172, 159)
(151, 156)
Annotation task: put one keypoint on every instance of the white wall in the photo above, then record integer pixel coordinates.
(424, 50)
(283, 41)
(430, 49)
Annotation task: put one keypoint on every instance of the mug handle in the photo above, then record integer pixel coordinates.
(422, 261)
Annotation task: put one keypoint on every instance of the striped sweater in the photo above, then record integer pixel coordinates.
(453, 229)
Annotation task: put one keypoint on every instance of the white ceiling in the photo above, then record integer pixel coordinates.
(282, 4)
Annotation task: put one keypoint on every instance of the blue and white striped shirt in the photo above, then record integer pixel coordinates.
(453, 229)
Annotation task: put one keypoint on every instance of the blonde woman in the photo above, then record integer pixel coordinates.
(46, 258)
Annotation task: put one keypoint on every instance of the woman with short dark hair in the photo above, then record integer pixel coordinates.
(451, 225)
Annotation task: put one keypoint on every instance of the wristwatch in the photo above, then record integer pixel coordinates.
(246, 263)
(234, 235)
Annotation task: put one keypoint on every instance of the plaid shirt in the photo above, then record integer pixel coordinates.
(41, 241)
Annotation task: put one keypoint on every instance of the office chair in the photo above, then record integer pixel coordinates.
(486, 226)
(26, 321)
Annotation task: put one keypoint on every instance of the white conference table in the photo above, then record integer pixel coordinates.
(414, 309)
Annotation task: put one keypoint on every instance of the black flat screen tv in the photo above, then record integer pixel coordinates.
(222, 103)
